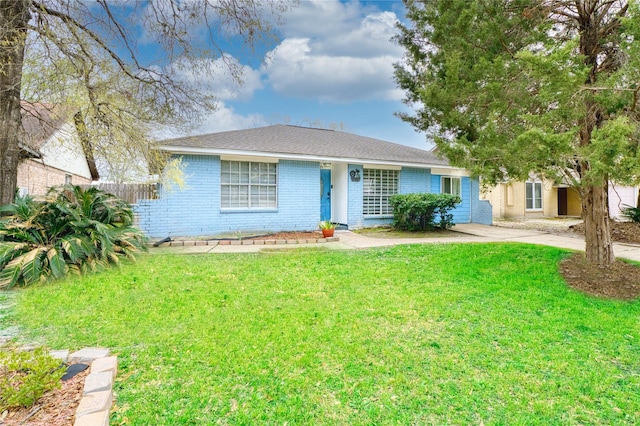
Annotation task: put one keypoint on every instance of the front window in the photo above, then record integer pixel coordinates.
(533, 195)
(450, 185)
(248, 185)
(379, 186)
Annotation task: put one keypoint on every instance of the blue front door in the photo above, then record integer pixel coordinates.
(325, 194)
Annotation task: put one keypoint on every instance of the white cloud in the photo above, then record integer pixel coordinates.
(317, 18)
(333, 52)
(223, 118)
(225, 78)
(296, 72)
(371, 38)
(227, 81)
(226, 87)
(336, 52)
(226, 118)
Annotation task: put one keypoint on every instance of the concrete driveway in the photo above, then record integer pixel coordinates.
(532, 236)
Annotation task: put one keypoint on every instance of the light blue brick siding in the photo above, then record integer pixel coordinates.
(187, 211)
(462, 212)
(435, 184)
(298, 196)
(415, 180)
(481, 210)
(195, 210)
(409, 180)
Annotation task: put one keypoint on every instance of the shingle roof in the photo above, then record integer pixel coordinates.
(41, 121)
(292, 141)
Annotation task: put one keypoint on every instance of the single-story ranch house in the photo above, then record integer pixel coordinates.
(289, 178)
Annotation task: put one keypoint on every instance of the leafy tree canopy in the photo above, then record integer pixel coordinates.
(507, 87)
(519, 86)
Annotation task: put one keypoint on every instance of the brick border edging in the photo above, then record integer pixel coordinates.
(97, 396)
(246, 242)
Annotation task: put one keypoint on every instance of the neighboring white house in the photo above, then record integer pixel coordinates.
(52, 152)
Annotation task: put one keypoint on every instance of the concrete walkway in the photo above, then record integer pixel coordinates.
(464, 233)
(562, 240)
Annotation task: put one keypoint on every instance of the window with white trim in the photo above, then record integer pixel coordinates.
(451, 185)
(378, 187)
(248, 185)
(533, 195)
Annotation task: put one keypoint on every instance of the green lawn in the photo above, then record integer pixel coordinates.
(422, 334)
(390, 232)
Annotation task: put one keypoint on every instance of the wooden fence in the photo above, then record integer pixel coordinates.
(131, 192)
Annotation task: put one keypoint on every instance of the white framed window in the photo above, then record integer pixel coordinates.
(378, 186)
(533, 195)
(248, 185)
(451, 185)
(68, 179)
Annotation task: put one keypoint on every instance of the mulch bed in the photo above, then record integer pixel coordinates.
(621, 232)
(619, 281)
(55, 408)
(288, 236)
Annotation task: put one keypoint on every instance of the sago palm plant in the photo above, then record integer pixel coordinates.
(73, 230)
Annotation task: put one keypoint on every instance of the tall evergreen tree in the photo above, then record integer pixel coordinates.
(519, 86)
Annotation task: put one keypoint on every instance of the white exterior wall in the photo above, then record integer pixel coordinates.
(619, 197)
(339, 192)
(63, 151)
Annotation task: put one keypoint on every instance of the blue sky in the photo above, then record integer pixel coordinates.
(333, 65)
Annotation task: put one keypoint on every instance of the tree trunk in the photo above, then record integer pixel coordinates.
(597, 231)
(595, 195)
(14, 16)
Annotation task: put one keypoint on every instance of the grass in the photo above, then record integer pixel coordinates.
(390, 232)
(422, 334)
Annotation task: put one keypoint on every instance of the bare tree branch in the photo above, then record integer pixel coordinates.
(84, 54)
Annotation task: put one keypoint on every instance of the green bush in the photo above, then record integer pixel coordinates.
(423, 211)
(26, 375)
(73, 230)
(631, 213)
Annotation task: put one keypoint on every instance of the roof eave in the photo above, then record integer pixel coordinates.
(300, 157)
(29, 153)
